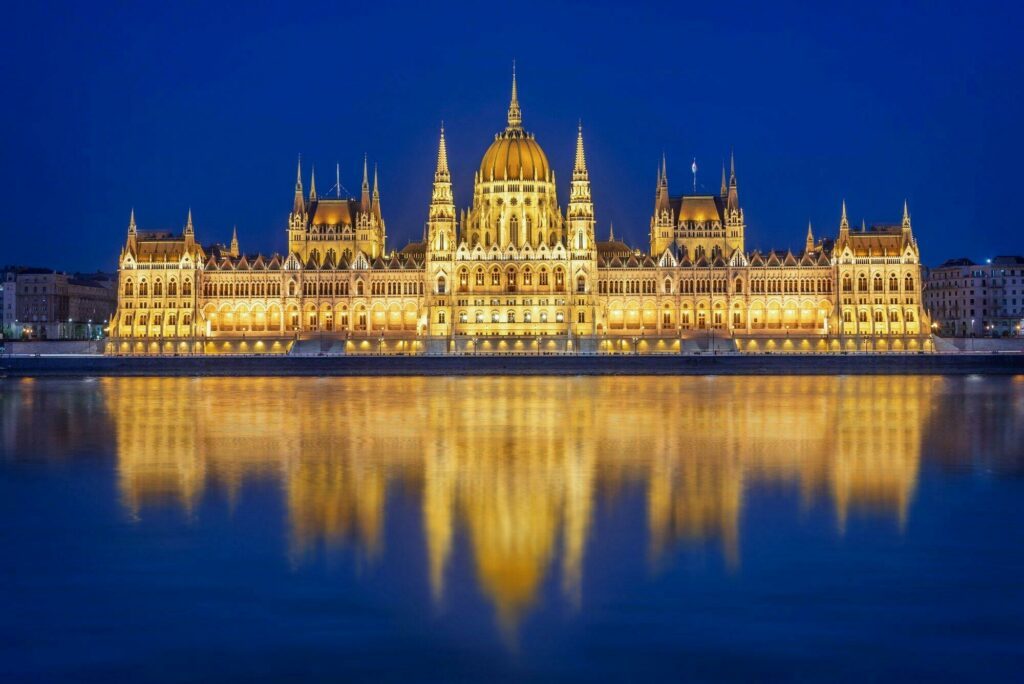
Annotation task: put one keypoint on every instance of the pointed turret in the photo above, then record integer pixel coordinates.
(809, 243)
(439, 230)
(189, 230)
(844, 222)
(515, 115)
(906, 216)
(733, 200)
(375, 202)
(364, 204)
(611, 232)
(661, 199)
(131, 223)
(442, 174)
(725, 188)
(581, 205)
(312, 184)
(299, 203)
(234, 242)
(579, 168)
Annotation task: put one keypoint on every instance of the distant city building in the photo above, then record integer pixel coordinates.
(964, 298)
(44, 304)
(516, 273)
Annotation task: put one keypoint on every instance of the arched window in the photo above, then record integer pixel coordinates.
(494, 317)
(910, 316)
(527, 276)
(143, 288)
(479, 276)
(878, 316)
(668, 286)
(463, 278)
(559, 279)
(479, 317)
(581, 284)
(511, 316)
(495, 277)
(440, 316)
(559, 317)
(186, 287)
(543, 276)
(510, 276)
(847, 283)
(894, 284)
(359, 288)
(739, 286)
(908, 284)
(291, 289)
(877, 283)
(440, 285)
(158, 288)
(129, 288)
(862, 283)
(528, 317)
(172, 287)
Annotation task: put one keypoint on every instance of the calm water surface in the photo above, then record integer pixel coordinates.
(417, 529)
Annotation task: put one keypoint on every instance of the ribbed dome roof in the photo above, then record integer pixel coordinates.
(514, 154)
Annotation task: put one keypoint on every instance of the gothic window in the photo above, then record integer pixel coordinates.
(440, 285)
(186, 287)
(739, 286)
(910, 315)
(559, 279)
(862, 283)
(863, 317)
(463, 278)
(668, 286)
(559, 317)
(528, 317)
(894, 284)
(908, 283)
(847, 283)
(440, 316)
(511, 316)
(543, 316)
(463, 318)
(511, 277)
(527, 276)
(129, 288)
(543, 276)
(894, 316)
(143, 288)
(359, 288)
(877, 283)
(479, 276)
(186, 319)
(494, 317)
(479, 317)
(581, 284)
(158, 288)
(291, 289)
(878, 316)
(495, 277)
(847, 317)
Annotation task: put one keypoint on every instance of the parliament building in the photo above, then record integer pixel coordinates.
(514, 273)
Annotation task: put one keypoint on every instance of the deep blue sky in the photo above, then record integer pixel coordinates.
(162, 106)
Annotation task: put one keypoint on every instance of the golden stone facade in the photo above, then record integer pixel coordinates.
(514, 274)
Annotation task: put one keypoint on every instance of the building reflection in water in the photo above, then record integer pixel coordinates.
(515, 466)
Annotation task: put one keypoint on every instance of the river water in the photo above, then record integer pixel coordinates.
(497, 528)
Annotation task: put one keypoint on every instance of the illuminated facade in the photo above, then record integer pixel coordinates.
(514, 273)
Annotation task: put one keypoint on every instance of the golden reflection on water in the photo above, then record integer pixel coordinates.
(516, 463)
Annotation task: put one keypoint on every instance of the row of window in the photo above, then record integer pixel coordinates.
(158, 287)
(876, 284)
(158, 319)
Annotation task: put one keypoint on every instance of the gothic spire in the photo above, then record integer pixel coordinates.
(515, 115)
(725, 188)
(312, 183)
(442, 173)
(131, 223)
(732, 169)
(580, 167)
(364, 204)
(906, 215)
(375, 204)
(809, 245)
(234, 241)
(189, 230)
(611, 232)
(843, 221)
(298, 204)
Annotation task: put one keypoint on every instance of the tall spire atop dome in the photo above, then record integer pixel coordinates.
(515, 115)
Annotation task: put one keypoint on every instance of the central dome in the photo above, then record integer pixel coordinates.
(514, 154)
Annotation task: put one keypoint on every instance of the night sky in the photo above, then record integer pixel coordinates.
(163, 106)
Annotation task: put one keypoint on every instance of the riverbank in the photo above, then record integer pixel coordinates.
(386, 365)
